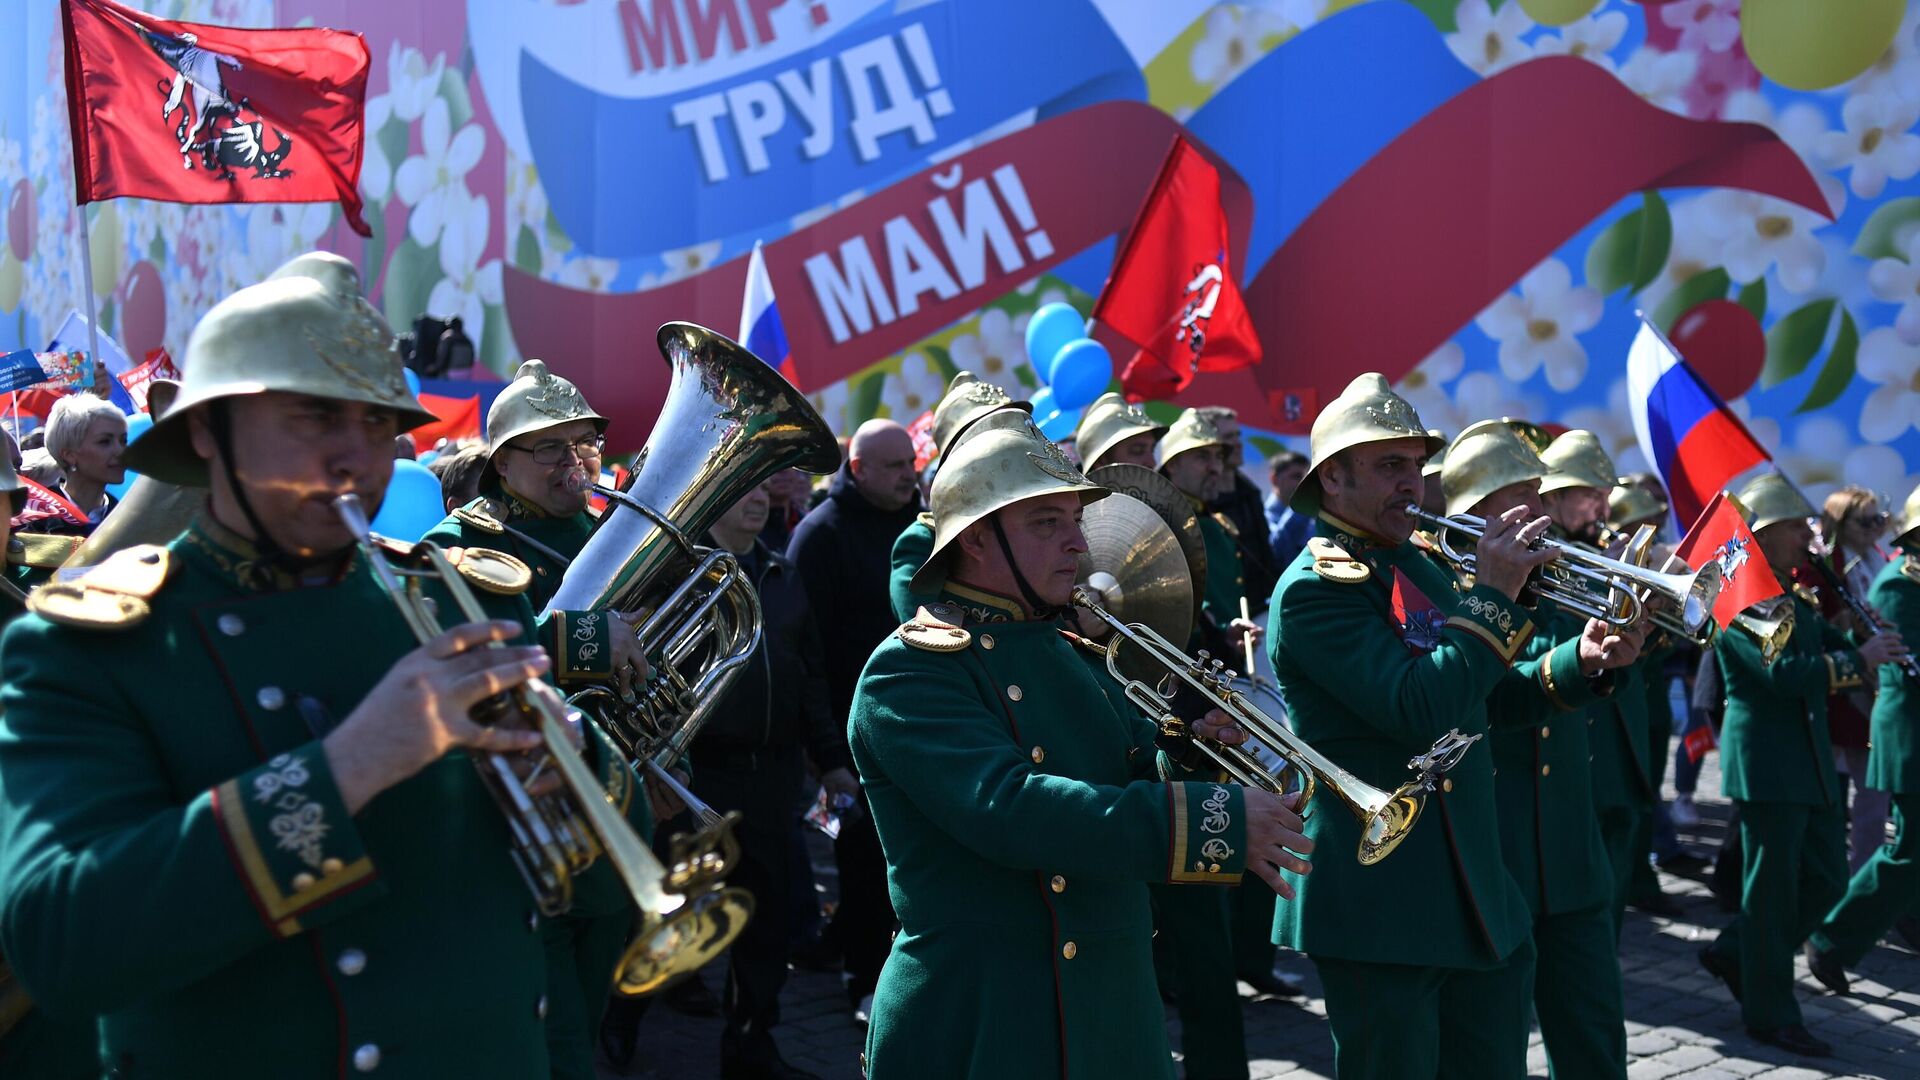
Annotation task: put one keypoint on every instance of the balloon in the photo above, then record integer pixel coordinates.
(1722, 341)
(137, 424)
(143, 314)
(413, 381)
(413, 503)
(1043, 403)
(1051, 329)
(1081, 372)
(1059, 423)
(1557, 12)
(427, 457)
(20, 220)
(1814, 46)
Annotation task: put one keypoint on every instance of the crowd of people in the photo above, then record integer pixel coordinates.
(234, 728)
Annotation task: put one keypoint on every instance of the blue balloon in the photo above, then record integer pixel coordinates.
(1052, 328)
(137, 424)
(413, 381)
(1043, 403)
(1080, 373)
(426, 457)
(413, 503)
(1060, 423)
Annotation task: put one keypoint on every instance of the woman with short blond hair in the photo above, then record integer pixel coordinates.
(86, 436)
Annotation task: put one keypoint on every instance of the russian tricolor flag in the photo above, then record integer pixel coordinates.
(760, 328)
(1687, 433)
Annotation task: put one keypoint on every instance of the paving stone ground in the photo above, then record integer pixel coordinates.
(1681, 1022)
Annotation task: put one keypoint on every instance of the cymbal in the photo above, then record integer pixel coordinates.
(1134, 563)
(1173, 507)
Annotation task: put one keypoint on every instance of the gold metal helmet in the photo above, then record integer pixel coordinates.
(1367, 411)
(1110, 421)
(1003, 460)
(1190, 431)
(1438, 458)
(1576, 459)
(967, 399)
(1768, 499)
(1909, 520)
(305, 330)
(1631, 504)
(535, 400)
(1486, 457)
(1532, 434)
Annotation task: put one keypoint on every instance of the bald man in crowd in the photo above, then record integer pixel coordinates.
(843, 550)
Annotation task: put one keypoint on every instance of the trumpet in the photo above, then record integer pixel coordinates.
(1612, 590)
(686, 917)
(1385, 817)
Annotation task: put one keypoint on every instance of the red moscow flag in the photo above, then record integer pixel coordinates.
(1171, 291)
(194, 113)
(1721, 534)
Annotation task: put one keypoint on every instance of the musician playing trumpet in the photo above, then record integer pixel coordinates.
(1020, 812)
(236, 823)
(1425, 957)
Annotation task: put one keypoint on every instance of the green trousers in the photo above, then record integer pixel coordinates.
(43, 1047)
(1395, 1022)
(1253, 947)
(1196, 922)
(1577, 994)
(1622, 830)
(1885, 888)
(1796, 867)
(581, 955)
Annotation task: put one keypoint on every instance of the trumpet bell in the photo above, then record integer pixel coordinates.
(684, 942)
(1391, 822)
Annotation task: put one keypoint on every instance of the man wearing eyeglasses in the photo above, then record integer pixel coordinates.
(543, 456)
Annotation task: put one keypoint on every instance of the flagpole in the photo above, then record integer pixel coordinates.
(86, 273)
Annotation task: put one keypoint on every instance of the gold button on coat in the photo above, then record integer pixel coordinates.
(331, 866)
(1058, 883)
(302, 881)
(986, 641)
(1545, 731)
(1446, 785)
(1069, 949)
(1039, 754)
(1014, 693)
(1545, 769)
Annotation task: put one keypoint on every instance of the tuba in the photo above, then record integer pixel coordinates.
(729, 422)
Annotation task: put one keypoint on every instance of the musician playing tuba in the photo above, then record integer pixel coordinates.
(1019, 811)
(232, 751)
(1426, 957)
(543, 456)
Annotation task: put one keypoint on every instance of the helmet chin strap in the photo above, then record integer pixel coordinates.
(1040, 608)
(271, 555)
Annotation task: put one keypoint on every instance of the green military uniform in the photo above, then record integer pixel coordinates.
(1645, 883)
(1888, 885)
(1019, 813)
(584, 944)
(1622, 796)
(1778, 766)
(910, 549)
(275, 934)
(33, 557)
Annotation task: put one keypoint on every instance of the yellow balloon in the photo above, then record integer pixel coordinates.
(1810, 46)
(1557, 12)
(105, 243)
(12, 280)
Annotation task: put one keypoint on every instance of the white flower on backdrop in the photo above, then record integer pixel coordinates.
(1660, 77)
(1538, 328)
(1612, 424)
(469, 285)
(1483, 395)
(831, 404)
(1757, 233)
(1489, 42)
(1704, 25)
(1230, 42)
(376, 172)
(589, 272)
(1897, 281)
(995, 348)
(915, 389)
(1893, 366)
(1801, 126)
(1591, 37)
(1897, 70)
(434, 181)
(1878, 143)
(688, 261)
(1691, 252)
(1425, 387)
(412, 81)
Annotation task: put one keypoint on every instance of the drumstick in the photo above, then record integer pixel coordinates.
(1246, 642)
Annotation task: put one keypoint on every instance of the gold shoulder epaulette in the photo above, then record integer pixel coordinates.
(1332, 562)
(43, 551)
(475, 514)
(112, 596)
(1806, 594)
(1910, 567)
(936, 628)
(493, 571)
(925, 518)
(1226, 523)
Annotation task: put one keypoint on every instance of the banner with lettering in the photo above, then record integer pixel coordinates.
(1474, 196)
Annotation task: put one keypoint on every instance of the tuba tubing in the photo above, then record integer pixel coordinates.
(1386, 818)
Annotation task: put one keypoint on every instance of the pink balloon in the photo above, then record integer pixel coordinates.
(20, 220)
(143, 316)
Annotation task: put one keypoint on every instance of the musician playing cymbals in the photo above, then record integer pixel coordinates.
(232, 754)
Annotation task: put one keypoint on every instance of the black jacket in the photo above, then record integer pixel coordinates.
(843, 549)
(1244, 507)
(778, 701)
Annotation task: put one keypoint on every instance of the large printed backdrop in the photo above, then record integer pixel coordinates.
(1475, 197)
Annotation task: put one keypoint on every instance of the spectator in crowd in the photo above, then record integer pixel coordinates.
(38, 466)
(1852, 521)
(1239, 499)
(460, 469)
(1287, 530)
(843, 551)
(86, 436)
(403, 448)
(787, 493)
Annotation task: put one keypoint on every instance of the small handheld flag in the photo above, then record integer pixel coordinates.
(760, 328)
(1721, 535)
